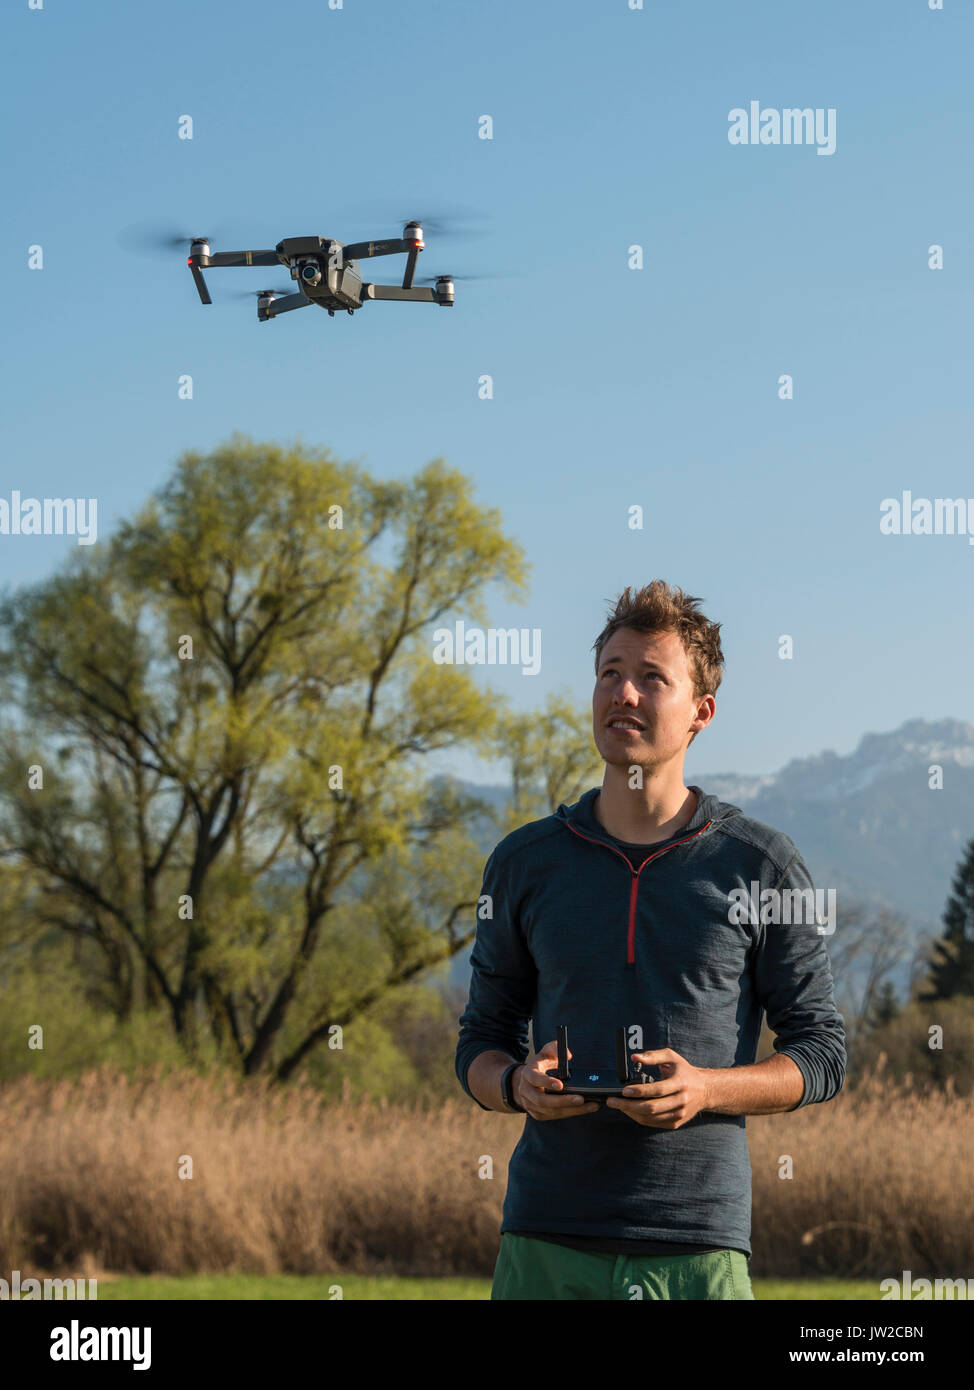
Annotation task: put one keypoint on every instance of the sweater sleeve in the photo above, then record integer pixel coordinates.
(793, 979)
(503, 982)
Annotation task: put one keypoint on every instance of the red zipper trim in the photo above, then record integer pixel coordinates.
(634, 887)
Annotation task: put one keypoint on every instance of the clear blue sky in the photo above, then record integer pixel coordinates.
(612, 386)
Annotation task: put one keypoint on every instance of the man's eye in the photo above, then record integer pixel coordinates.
(611, 671)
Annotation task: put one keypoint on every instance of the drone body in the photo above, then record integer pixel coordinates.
(327, 272)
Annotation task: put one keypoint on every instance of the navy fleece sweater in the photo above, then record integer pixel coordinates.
(582, 936)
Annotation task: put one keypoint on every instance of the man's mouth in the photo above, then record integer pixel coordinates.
(622, 724)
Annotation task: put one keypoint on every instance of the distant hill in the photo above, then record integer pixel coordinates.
(868, 822)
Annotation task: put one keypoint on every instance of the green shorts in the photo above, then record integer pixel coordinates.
(529, 1268)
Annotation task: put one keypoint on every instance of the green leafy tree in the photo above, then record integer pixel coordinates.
(552, 758)
(932, 1045)
(212, 756)
(952, 956)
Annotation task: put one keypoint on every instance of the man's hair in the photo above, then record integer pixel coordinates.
(660, 608)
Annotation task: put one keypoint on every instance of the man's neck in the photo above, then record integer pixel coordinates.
(645, 816)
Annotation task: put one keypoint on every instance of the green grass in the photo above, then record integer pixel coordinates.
(827, 1290)
(355, 1286)
(288, 1286)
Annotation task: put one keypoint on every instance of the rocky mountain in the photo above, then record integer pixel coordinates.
(875, 823)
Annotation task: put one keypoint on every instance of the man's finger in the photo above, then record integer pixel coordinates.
(652, 1090)
(642, 1107)
(562, 1107)
(536, 1077)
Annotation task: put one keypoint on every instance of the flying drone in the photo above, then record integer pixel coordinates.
(327, 272)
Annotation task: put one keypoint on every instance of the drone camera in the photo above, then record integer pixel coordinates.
(311, 273)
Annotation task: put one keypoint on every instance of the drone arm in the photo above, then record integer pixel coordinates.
(282, 306)
(425, 296)
(244, 258)
(363, 250)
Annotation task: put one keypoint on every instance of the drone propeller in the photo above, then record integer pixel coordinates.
(176, 243)
(155, 238)
(248, 294)
(455, 221)
(432, 279)
(448, 226)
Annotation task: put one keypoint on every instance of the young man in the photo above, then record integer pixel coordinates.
(625, 909)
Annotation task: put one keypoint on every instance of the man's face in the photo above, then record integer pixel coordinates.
(644, 678)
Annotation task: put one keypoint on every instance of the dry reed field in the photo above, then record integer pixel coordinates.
(285, 1183)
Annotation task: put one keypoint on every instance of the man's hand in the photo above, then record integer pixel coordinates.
(666, 1104)
(530, 1081)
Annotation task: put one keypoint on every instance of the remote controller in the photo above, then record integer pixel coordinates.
(596, 1083)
